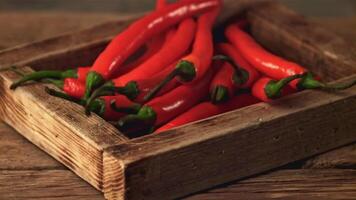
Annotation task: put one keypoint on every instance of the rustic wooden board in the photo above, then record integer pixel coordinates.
(45, 184)
(17, 153)
(291, 185)
(150, 164)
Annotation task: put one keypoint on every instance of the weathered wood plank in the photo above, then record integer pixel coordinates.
(58, 127)
(41, 25)
(289, 184)
(19, 153)
(42, 51)
(302, 41)
(45, 184)
(344, 158)
(255, 139)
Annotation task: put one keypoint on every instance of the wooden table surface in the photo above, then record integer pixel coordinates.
(28, 173)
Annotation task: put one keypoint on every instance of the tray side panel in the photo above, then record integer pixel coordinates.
(58, 127)
(254, 139)
(292, 36)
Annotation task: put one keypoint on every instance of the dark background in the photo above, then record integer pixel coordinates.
(330, 8)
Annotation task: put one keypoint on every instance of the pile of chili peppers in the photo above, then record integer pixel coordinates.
(182, 76)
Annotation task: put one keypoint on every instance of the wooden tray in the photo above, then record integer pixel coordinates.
(198, 156)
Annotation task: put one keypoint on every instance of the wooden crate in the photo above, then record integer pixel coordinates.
(198, 156)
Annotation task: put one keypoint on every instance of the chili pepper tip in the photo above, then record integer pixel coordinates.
(219, 94)
(241, 76)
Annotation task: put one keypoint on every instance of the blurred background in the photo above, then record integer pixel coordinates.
(308, 7)
(24, 21)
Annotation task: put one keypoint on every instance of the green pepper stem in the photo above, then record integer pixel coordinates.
(130, 90)
(36, 76)
(185, 70)
(274, 88)
(93, 81)
(134, 109)
(152, 93)
(98, 106)
(64, 96)
(58, 83)
(308, 82)
(241, 76)
(219, 94)
(146, 116)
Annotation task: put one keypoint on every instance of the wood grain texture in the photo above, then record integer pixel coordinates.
(18, 153)
(45, 184)
(302, 41)
(291, 185)
(49, 49)
(255, 139)
(343, 158)
(59, 127)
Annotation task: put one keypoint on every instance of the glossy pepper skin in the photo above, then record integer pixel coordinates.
(174, 48)
(266, 89)
(207, 109)
(127, 42)
(194, 66)
(163, 109)
(134, 90)
(74, 89)
(222, 86)
(251, 74)
(264, 61)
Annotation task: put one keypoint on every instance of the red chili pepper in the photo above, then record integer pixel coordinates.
(175, 46)
(149, 50)
(72, 87)
(134, 90)
(264, 61)
(266, 89)
(194, 66)
(207, 109)
(163, 109)
(274, 66)
(222, 86)
(160, 4)
(138, 33)
(52, 74)
(250, 73)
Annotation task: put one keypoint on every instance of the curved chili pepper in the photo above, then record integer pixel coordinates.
(127, 42)
(274, 66)
(194, 66)
(222, 86)
(250, 74)
(102, 106)
(134, 90)
(207, 109)
(264, 61)
(266, 89)
(173, 49)
(141, 56)
(78, 73)
(163, 109)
